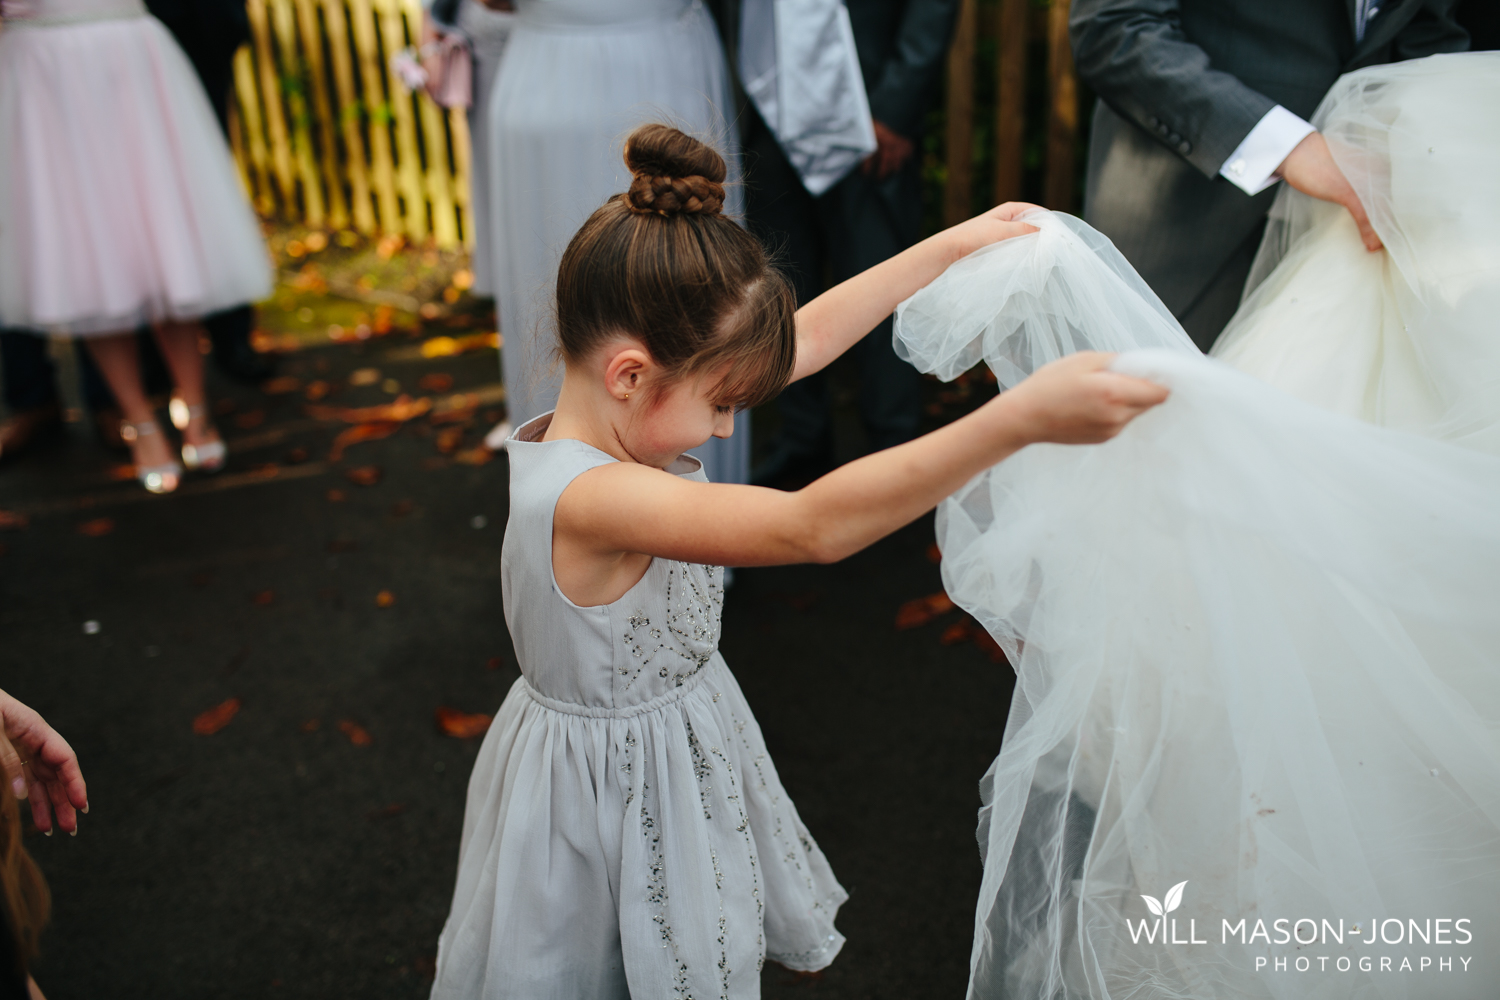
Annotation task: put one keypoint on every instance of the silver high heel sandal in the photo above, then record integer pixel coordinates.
(208, 457)
(156, 478)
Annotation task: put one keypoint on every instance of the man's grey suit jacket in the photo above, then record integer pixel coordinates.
(1181, 84)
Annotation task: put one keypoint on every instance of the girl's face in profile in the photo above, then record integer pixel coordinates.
(678, 419)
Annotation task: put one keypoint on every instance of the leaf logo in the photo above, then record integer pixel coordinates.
(1172, 901)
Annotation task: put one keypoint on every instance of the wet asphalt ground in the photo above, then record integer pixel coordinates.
(307, 849)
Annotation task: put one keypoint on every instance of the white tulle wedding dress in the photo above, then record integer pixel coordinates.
(1254, 748)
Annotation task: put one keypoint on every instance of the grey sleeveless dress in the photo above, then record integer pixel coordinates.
(626, 834)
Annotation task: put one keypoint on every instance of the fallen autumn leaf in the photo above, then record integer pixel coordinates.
(214, 719)
(461, 725)
(987, 642)
(954, 634)
(922, 610)
(364, 475)
(358, 735)
(281, 385)
(403, 409)
(473, 456)
(358, 433)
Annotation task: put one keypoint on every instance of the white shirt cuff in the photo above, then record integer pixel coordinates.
(1252, 166)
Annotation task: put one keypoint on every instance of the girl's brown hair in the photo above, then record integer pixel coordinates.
(27, 902)
(661, 263)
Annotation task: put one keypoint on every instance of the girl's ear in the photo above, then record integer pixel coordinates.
(626, 372)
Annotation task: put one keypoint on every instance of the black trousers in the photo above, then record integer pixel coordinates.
(820, 241)
(28, 378)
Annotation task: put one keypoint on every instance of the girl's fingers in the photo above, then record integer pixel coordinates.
(62, 809)
(10, 763)
(1138, 392)
(64, 776)
(41, 806)
(1011, 209)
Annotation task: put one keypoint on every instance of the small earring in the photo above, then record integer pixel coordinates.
(627, 395)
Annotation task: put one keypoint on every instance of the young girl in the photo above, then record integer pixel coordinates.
(626, 833)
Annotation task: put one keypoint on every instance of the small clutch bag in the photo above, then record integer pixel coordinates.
(444, 67)
(450, 71)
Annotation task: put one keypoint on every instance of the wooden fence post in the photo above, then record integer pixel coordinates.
(322, 108)
(293, 77)
(254, 146)
(356, 162)
(1010, 100)
(378, 112)
(958, 190)
(270, 92)
(1062, 119)
(408, 158)
(463, 172)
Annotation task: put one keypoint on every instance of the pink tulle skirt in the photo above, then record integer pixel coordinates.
(119, 202)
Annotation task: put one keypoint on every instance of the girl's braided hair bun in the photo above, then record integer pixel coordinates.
(662, 264)
(675, 174)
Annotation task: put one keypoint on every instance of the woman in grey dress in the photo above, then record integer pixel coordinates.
(577, 76)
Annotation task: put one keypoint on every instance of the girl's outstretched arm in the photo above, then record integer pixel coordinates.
(831, 323)
(612, 517)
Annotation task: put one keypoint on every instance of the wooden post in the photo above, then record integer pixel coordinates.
(463, 172)
(255, 131)
(437, 176)
(294, 77)
(958, 190)
(270, 89)
(1062, 119)
(1010, 101)
(322, 110)
(382, 167)
(408, 158)
(362, 209)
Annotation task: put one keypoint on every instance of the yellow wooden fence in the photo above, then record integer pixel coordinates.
(327, 134)
(1011, 25)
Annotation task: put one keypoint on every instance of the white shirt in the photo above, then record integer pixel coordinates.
(1253, 164)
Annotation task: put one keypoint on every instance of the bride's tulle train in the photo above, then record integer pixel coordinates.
(1410, 337)
(1257, 651)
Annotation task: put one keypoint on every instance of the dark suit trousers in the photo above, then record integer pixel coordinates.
(819, 242)
(28, 375)
(28, 378)
(1191, 237)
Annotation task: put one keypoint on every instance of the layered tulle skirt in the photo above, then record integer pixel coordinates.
(1407, 337)
(644, 852)
(119, 202)
(1254, 749)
